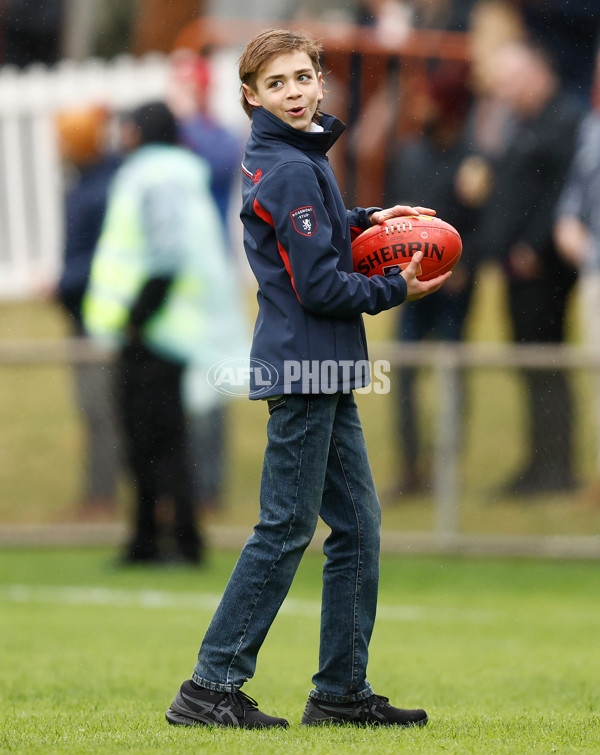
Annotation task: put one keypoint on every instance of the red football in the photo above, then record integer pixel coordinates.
(387, 248)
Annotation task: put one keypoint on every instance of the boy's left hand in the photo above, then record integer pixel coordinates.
(416, 289)
(398, 211)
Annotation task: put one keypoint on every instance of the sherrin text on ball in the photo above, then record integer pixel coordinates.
(387, 248)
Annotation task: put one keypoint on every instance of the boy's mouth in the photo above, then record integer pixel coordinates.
(295, 112)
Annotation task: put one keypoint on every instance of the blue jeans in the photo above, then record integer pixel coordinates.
(315, 465)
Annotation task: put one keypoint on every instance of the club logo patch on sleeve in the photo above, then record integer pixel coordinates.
(304, 220)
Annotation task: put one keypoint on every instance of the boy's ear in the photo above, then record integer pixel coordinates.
(251, 98)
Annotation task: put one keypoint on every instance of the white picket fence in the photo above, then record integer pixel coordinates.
(30, 175)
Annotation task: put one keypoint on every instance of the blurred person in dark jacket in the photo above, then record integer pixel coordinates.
(88, 169)
(427, 167)
(571, 29)
(517, 229)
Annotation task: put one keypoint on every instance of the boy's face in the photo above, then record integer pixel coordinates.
(289, 87)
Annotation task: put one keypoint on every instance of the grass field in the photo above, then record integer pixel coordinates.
(502, 654)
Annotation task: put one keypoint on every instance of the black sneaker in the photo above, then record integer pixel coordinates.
(206, 707)
(374, 710)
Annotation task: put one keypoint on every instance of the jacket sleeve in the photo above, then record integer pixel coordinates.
(577, 195)
(149, 300)
(292, 194)
(547, 176)
(359, 220)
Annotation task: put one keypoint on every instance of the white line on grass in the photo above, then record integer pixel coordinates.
(105, 596)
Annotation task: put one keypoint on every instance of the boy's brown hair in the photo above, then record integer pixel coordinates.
(268, 45)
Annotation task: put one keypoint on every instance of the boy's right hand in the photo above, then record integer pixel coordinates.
(416, 289)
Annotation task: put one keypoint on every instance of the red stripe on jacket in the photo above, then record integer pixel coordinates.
(268, 218)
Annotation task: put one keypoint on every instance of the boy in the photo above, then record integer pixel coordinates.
(297, 239)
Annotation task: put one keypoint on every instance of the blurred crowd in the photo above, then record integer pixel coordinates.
(149, 271)
(496, 155)
(503, 142)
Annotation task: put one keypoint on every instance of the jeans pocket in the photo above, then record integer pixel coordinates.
(276, 403)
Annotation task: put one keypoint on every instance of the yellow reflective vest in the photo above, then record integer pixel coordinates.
(161, 220)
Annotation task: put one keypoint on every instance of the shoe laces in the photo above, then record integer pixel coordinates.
(381, 700)
(369, 703)
(241, 702)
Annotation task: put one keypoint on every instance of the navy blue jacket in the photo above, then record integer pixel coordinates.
(85, 206)
(297, 236)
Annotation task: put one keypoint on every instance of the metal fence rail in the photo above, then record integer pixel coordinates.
(446, 361)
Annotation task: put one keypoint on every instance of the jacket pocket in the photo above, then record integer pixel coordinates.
(276, 403)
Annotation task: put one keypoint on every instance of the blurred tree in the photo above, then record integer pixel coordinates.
(114, 21)
(31, 31)
(157, 23)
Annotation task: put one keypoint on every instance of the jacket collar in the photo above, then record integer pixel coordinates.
(269, 126)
